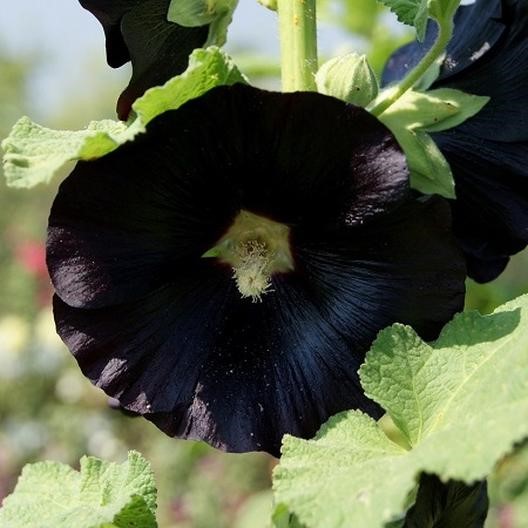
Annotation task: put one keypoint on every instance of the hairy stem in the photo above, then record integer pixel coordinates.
(298, 40)
(445, 32)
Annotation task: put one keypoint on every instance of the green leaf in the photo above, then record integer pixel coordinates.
(35, 154)
(460, 403)
(207, 69)
(433, 111)
(349, 78)
(218, 14)
(413, 116)
(102, 494)
(411, 12)
(430, 172)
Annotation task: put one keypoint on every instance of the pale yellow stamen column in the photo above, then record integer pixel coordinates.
(256, 248)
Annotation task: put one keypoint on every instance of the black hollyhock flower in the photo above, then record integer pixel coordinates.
(225, 272)
(488, 154)
(138, 31)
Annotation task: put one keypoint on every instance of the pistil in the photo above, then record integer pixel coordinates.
(256, 248)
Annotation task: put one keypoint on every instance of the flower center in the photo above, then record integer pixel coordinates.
(256, 248)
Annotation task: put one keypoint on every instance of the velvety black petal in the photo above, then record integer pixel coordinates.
(109, 13)
(203, 363)
(478, 27)
(487, 56)
(298, 157)
(123, 224)
(159, 49)
(490, 214)
(167, 332)
(138, 30)
(127, 223)
(489, 152)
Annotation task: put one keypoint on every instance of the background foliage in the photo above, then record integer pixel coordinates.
(49, 411)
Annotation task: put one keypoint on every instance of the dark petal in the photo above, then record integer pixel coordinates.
(485, 270)
(202, 363)
(490, 215)
(159, 49)
(149, 353)
(285, 365)
(127, 223)
(405, 264)
(166, 332)
(109, 13)
(299, 157)
(122, 225)
(138, 30)
(502, 75)
(477, 29)
(452, 503)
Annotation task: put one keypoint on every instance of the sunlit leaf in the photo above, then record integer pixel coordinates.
(458, 402)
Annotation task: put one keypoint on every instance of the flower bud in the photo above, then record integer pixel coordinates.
(349, 78)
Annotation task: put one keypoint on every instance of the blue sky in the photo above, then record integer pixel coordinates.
(70, 47)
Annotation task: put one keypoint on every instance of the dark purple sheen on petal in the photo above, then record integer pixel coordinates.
(478, 27)
(490, 214)
(126, 223)
(122, 224)
(167, 333)
(138, 31)
(158, 49)
(489, 152)
(202, 363)
(310, 159)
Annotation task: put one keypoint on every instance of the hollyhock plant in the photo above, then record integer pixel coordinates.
(224, 273)
(488, 153)
(138, 31)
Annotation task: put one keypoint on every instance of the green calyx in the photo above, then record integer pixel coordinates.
(256, 248)
(349, 78)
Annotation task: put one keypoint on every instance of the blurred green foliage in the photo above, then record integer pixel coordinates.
(48, 410)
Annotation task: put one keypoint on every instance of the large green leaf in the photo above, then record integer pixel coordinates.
(461, 404)
(101, 495)
(35, 154)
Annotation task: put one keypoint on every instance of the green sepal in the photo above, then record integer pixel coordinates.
(217, 14)
(35, 154)
(349, 78)
(417, 114)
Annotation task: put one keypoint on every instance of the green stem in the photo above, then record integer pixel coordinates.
(298, 40)
(445, 32)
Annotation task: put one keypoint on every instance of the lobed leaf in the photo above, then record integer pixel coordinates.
(102, 494)
(458, 402)
(35, 154)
